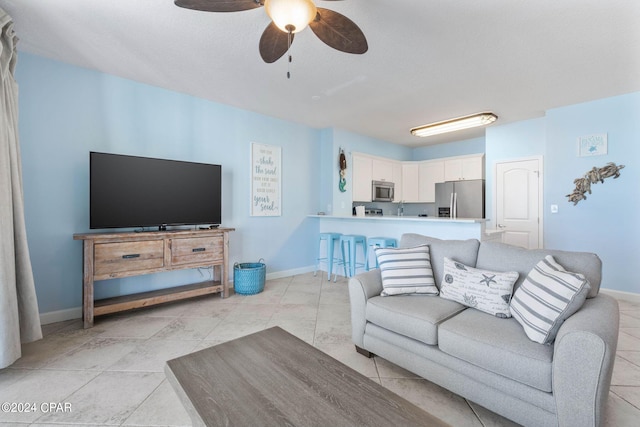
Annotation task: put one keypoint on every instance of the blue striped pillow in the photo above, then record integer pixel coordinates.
(547, 297)
(406, 271)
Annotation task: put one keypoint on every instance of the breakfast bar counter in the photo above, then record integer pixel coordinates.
(396, 226)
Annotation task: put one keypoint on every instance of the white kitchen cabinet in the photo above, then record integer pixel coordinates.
(397, 180)
(463, 168)
(381, 170)
(415, 182)
(410, 182)
(430, 173)
(361, 178)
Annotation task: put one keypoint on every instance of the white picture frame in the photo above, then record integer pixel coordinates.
(592, 145)
(266, 180)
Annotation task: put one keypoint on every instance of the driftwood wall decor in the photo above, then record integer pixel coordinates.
(595, 175)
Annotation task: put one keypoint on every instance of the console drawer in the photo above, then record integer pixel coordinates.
(196, 250)
(128, 256)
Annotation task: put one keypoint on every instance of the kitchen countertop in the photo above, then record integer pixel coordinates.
(403, 218)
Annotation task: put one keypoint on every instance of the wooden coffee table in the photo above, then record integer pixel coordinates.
(272, 378)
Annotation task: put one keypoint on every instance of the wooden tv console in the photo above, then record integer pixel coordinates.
(116, 255)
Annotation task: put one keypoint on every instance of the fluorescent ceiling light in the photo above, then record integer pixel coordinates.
(480, 119)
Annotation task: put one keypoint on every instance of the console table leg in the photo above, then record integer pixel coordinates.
(87, 309)
(87, 284)
(223, 268)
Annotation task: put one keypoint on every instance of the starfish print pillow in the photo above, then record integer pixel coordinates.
(488, 291)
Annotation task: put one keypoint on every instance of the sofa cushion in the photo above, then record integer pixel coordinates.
(497, 345)
(548, 296)
(414, 316)
(484, 290)
(464, 251)
(500, 256)
(406, 271)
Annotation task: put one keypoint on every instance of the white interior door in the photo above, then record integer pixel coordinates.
(519, 201)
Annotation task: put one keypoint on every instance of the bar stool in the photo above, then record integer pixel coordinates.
(380, 242)
(331, 239)
(349, 258)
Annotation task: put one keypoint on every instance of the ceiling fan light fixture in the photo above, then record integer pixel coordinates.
(452, 125)
(291, 14)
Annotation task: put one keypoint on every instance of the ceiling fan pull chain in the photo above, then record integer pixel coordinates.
(289, 50)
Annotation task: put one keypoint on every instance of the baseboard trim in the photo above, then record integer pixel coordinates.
(293, 272)
(621, 295)
(284, 273)
(76, 312)
(60, 315)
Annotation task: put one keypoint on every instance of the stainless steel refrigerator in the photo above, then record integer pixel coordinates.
(460, 199)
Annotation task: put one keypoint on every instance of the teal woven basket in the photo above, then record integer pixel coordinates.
(249, 277)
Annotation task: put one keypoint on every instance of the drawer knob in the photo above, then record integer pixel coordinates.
(131, 256)
(198, 249)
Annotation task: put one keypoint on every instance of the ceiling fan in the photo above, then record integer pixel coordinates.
(289, 17)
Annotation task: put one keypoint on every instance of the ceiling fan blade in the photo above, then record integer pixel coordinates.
(274, 43)
(219, 5)
(339, 32)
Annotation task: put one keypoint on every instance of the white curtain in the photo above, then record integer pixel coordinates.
(19, 318)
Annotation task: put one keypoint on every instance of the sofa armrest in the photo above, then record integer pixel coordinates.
(361, 288)
(584, 353)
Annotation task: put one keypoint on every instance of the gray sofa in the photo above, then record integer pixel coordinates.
(490, 360)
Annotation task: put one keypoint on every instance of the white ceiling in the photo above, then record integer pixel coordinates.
(428, 60)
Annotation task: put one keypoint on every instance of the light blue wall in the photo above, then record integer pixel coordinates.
(458, 148)
(328, 168)
(66, 111)
(606, 223)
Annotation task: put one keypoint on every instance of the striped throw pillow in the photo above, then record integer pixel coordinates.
(406, 271)
(547, 297)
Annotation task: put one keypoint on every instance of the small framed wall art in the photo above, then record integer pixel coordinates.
(592, 145)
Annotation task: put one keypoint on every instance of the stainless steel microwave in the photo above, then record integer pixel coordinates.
(382, 191)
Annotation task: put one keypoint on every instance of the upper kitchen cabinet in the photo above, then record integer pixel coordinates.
(419, 181)
(415, 181)
(430, 173)
(464, 168)
(370, 168)
(410, 182)
(382, 170)
(397, 180)
(361, 178)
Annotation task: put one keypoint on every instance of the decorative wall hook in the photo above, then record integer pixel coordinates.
(595, 175)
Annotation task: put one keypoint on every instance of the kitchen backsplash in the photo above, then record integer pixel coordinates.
(410, 209)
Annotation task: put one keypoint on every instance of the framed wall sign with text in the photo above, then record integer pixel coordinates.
(592, 145)
(266, 180)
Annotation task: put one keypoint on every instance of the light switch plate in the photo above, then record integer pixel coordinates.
(554, 208)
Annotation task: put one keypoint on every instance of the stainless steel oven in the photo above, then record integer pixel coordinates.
(382, 191)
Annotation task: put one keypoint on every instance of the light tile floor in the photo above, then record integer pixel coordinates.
(112, 374)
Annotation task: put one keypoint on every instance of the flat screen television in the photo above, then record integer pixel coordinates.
(128, 191)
